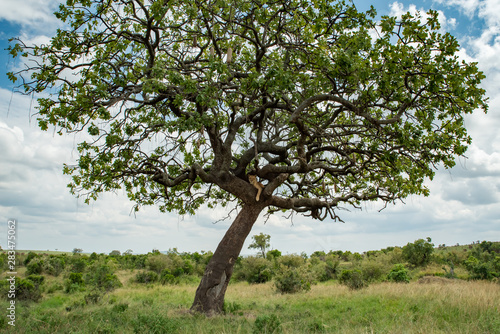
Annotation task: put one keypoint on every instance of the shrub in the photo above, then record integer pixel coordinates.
(373, 271)
(74, 283)
(100, 275)
(324, 267)
(34, 267)
(115, 253)
(146, 277)
(26, 290)
(291, 261)
(273, 254)
(267, 324)
(76, 278)
(399, 274)
(292, 280)
(158, 263)
(36, 279)
(54, 266)
(418, 253)
(78, 265)
(254, 270)
(29, 257)
(54, 287)
(352, 278)
(166, 277)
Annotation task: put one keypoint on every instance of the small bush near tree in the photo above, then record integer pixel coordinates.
(292, 280)
(254, 270)
(74, 283)
(78, 265)
(167, 277)
(352, 278)
(480, 270)
(399, 274)
(34, 267)
(54, 266)
(373, 271)
(36, 279)
(146, 277)
(27, 290)
(273, 254)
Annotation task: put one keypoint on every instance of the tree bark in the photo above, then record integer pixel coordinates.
(209, 298)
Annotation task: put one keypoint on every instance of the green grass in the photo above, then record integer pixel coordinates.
(438, 307)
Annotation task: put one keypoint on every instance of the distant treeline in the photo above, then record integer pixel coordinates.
(96, 273)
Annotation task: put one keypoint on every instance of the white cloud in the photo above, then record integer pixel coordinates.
(469, 7)
(33, 15)
(398, 9)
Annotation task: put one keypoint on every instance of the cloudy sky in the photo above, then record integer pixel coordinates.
(464, 205)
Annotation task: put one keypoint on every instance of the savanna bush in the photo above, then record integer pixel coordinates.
(29, 257)
(352, 278)
(254, 270)
(100, 275)
(34, 266)
(291, 261)
(146, 277)
(36, 279)
(292, 280)
(54, 265)
(273, 254)
(373, 271)
(74, 283)
(27, 290)
(399, 274)
(418, 253)
(325, 267)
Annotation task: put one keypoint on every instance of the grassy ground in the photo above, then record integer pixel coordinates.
(436, 306)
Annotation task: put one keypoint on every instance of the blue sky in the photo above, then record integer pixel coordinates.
(464, 204)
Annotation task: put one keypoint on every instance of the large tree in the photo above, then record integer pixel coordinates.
(183, 100)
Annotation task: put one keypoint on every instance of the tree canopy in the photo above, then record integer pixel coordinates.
(261, 242)
(182, 100)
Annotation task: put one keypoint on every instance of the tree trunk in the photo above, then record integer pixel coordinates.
(209, 298)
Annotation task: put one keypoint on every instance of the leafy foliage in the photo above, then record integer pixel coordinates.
(254, 270)
(484, 262)
(292, 280)
(326, 104)
(419, 252)
(352, 278)
(399, 274)
(27, 290)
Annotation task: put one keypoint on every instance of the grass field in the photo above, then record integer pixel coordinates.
(437, 305)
